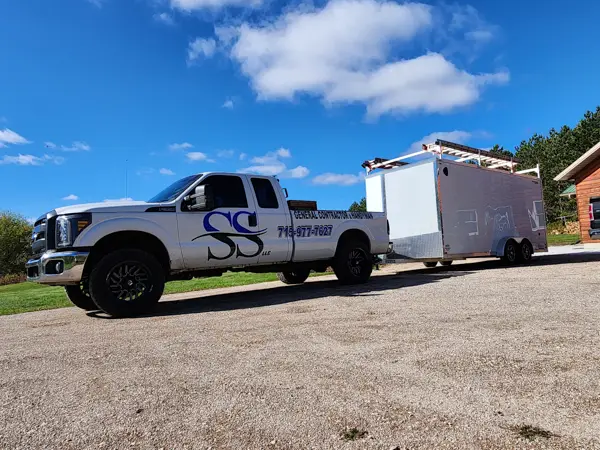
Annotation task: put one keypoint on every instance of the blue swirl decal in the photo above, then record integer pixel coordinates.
(226, 237)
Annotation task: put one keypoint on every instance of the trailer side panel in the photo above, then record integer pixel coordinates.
(482, 208)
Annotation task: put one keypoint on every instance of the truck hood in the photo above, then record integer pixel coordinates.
(107, 207)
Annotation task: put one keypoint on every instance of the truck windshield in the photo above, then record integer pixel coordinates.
(174, 191)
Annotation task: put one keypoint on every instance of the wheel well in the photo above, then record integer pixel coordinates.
(129, 239)
(354, 235)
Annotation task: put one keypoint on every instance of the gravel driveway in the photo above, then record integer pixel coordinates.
(477, 356)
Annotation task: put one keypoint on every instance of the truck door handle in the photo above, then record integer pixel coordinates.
(252, 222)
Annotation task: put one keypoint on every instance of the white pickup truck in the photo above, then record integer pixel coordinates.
(116, 257)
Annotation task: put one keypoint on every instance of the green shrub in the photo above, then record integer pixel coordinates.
(15, 243)
(13, 278)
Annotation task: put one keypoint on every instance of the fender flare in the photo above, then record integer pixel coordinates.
(502, 243)
(352, 225)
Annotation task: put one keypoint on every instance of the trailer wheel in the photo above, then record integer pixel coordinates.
(296, 277)
(446, 263)
(79, 295)
(352, 263)
(430, 264)
(526, 252)
(127, 282)
(511, 253)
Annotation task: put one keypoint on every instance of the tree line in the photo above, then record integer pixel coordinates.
(554, 152)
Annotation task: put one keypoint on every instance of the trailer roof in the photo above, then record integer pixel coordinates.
(464, 151)
(461, 152)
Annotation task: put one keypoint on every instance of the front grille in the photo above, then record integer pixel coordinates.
(38, 238)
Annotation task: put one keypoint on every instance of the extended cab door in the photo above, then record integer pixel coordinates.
(273, 216)
(226, 236)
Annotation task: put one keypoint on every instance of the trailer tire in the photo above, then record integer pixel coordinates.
(296, 277)
(446, 263)
(352, 263)
(511, 253)
(430, 264)
(138, 282)
(79, 295)
(525, 251)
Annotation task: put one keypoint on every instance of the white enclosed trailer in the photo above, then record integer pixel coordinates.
(442, 209)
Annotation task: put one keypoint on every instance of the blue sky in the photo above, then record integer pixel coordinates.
(306, 91)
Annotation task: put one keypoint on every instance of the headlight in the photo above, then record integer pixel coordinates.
(63, 232)
(69, 227)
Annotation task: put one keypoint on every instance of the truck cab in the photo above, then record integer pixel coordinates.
(117, 256)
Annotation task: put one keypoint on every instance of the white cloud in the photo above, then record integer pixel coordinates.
(458, 136)
(466, 20)
(228, 104)
(341, 179)
(31, 220)
(347, 52)
(164, 18)
(271, 165)
(31, 160)
(182, 146)
(480, 36)
(191, 5)
(10, 137)
(225, 153)
(243, 156)
(96, 3)
(298, 172)
(166, 172)
(283, 153)
(201, 47)
(124, 199)
(71, 197)
(197, 156)
(265, 169)
(76, 146)
(50, 145)
(272, 157)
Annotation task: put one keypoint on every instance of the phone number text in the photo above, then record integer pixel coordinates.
(305, 231)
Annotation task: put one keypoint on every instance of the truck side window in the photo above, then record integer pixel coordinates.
(228, 191)
(265, 194)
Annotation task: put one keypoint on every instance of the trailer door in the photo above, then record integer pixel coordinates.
(411, 205)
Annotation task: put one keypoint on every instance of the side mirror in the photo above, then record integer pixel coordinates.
(202, 199)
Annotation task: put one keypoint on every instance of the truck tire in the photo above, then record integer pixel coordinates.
(446, 263)
(430, 264)
(296, 277)
(511, 253)
(127, 282)
(525, 251)
(352, 263)
(79, 295)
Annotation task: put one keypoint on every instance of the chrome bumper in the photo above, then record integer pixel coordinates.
(59, 268)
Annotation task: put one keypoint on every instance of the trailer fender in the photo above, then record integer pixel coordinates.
(502, 243)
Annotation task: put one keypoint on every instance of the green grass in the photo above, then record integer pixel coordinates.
(25, 297)
(563, 239)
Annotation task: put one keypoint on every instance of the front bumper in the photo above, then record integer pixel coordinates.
(60, 268)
